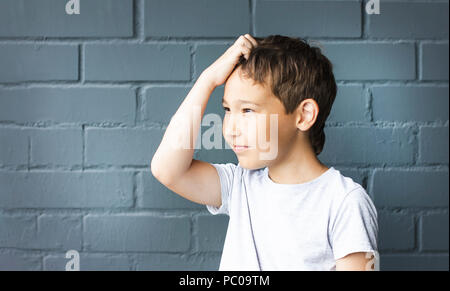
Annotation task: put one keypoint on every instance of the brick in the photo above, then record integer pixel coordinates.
(59, 232)
(396, 231)
(156, 195)
(308, 18)
(38, 62)
(211, 232)
(51, 189)
(410, 20)
(121, 146)
(142, 62)
(435, 232)
(206, 55)
(434, 61)
(90, 262)
(199, 18)
(411, 103)
(161, 103)
(433, 145)
(349, 95)
(399, 188)
(136, 233)
(17, 231)
(14, 146)
(49, 232)
(20, 261)
(97, 18)
(56, 146)
(366, 145)
(72, 105)
(215, 102)
(413, 262)
(176, 262)
(372, 61)
(216, 155)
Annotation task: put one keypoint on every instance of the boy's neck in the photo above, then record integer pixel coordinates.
(297, 166)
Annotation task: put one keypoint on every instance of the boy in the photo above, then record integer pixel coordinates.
(288, 211)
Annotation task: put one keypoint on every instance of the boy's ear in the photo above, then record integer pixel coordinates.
(307, 112)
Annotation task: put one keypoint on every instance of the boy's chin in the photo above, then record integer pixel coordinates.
(251, 165)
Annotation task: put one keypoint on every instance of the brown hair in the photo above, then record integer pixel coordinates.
(294, 71)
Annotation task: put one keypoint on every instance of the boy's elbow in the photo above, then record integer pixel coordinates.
(159, 174)
(154, 169)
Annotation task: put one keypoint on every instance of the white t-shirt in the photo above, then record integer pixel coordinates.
(304, 226)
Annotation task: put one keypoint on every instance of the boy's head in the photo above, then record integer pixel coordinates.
(283, 76)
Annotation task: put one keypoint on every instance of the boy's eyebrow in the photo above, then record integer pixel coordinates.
(243, 101)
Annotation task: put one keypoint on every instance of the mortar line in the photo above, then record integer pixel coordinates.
(250, 17)
(29, 153)
(83, 151)
(81, 76)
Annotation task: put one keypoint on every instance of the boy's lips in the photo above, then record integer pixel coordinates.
(239, 148)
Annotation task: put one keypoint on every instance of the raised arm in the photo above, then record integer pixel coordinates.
(173, 163)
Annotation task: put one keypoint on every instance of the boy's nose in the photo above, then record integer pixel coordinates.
(231, 127)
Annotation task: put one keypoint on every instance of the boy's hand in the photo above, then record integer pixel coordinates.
(218, 72)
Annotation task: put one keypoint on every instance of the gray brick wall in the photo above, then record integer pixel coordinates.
(85, 99)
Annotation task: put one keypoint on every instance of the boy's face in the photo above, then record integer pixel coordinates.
(255, 118)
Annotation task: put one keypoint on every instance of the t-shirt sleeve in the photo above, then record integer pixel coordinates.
(226, 174)
(355, 227)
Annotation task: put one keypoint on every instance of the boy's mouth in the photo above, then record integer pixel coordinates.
(239, 148)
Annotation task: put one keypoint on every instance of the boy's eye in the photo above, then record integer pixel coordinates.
(245, 110)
